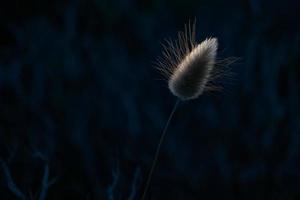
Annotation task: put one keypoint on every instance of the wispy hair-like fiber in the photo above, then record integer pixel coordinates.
(188, 66)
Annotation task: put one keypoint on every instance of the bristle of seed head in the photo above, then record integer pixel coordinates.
(188, 66)
(192, 74)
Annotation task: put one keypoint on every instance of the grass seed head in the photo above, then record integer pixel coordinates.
(187, 65)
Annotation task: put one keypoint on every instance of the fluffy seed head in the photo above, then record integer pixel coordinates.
(188, 65)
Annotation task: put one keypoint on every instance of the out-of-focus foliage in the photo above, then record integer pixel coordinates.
(77, 86)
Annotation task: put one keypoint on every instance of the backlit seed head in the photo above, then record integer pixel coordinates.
(188, 66)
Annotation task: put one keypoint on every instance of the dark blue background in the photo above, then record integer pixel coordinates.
(80, 99)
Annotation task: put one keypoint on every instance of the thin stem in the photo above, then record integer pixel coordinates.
(158, 150)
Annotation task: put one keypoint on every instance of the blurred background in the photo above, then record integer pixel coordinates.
(82, 107)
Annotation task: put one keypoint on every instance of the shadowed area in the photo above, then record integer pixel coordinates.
(82, 107)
